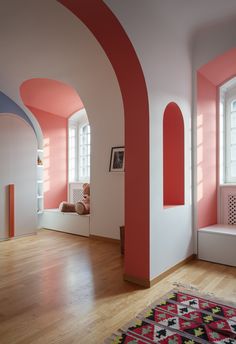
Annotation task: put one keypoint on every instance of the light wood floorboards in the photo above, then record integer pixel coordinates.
(60, 288)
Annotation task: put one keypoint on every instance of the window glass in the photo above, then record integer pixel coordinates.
(84, 152)
(233, 105)
(233, 119)
(72, 153)
(233, 136)
(233, 153)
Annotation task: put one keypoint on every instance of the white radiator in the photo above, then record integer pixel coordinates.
(75, 192)
(232, 209)
(227, 204)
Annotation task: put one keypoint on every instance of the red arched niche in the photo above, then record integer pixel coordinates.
(173, 156)
(99, 19)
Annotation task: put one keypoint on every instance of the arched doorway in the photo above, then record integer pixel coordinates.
(133, 88)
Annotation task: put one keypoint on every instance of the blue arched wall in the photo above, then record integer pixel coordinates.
(7, 105)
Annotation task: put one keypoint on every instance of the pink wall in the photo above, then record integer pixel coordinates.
(51, 96)
(206, 152)
(55, 136)
(173, 156)
(210, 76)
(221, 68)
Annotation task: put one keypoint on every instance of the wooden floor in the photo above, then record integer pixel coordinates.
(60, 288)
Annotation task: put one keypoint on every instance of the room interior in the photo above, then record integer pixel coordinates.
(161, 85)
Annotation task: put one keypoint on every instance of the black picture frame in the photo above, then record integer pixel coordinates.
(117, 159)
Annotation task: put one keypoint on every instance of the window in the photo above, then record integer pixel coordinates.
(72, 153)
(84, 153)
(230, 141)
(79, 136)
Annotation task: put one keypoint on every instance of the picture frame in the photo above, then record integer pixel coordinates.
(117, 159)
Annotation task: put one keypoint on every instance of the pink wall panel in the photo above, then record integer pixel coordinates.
(221, 68)
(11, 210)
(51, 96)
(206, 152)
(55, 134)
(173, 156)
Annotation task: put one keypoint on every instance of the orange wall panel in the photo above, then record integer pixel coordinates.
(11, 210)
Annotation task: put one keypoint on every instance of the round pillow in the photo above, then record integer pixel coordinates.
(80, 208)
(66, 207)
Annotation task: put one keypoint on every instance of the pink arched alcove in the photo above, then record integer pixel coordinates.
(52, 96)
(173, 156)
(117, 46)
(209, 77)
(52, 102)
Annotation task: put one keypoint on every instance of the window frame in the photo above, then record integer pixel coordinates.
(88, 166)
(229, 179)
(75, 127)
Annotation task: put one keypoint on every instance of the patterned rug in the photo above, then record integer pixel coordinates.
(184, 317)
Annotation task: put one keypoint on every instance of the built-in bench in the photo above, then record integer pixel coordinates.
(65, 222)
(217, 243)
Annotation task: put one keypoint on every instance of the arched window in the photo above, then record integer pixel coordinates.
(173, 156)
(79, 148)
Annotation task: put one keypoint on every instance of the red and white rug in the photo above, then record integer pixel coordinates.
(181, 317)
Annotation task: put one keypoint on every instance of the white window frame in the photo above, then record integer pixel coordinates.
(73, 126)
(229, 179)
(87, 177)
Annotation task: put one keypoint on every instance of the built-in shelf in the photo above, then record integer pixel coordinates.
(40, 196)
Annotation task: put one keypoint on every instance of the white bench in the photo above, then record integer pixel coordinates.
(217, 244)
(65, 222)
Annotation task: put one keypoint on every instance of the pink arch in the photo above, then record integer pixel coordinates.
(115, 42)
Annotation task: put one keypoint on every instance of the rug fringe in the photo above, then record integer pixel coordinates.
(113, 339)
(183, 285)
(201, 293)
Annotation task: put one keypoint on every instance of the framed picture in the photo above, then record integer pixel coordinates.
(117, 161)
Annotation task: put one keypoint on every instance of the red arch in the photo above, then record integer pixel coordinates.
(116, 44)
(173, 156)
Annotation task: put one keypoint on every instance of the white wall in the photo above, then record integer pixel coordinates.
(46, 40)
(164, 54)
(163, 33)
(18, 156)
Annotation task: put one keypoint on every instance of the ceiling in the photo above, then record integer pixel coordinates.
(51, 96)
(40, 40)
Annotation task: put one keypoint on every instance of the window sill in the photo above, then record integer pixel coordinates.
(172, 206)
(227, 185)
